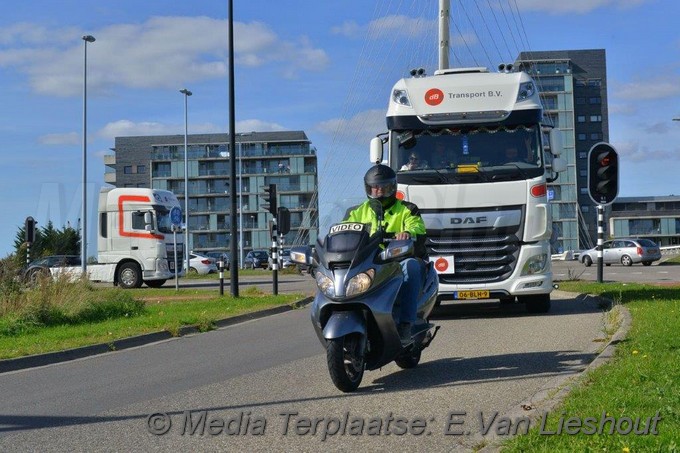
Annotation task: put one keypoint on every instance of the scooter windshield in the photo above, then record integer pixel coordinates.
(345, 237)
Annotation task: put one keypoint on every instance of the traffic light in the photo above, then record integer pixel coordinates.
(270, 199)
(30, 230)
(283, 220)
(603, 173)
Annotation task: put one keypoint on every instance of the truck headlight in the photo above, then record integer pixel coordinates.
(526, 90)
(325, 284)
(535, 264)
(401, 97)
(360, 283)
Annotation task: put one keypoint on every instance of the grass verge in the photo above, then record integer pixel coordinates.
(88, 316)
(639, 383)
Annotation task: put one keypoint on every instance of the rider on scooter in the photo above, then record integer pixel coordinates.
(401, 219)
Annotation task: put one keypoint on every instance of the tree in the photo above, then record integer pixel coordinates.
(48, 241)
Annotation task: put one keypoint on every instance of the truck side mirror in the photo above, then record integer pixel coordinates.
(376, 150)
(148, 221)
(556, 143)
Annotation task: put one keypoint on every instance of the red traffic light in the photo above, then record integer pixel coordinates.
(603, 173)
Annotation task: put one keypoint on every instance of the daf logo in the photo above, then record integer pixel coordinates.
(468, 220)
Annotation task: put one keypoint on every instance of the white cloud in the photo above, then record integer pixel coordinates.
(657, 88)
(69, 138)
(622, 109)
(257, 126)
(358, 129)
(387, 27)
(575, 6)
(658, 128)
(635, 152)
(127, 128)
(163, 52)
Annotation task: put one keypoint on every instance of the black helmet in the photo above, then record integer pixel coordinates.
(384, 177)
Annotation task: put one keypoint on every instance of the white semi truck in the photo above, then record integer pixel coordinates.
(135, 239)
(468, 149)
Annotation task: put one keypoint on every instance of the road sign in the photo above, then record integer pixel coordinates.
(176, 216)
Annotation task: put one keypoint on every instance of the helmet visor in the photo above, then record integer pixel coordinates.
(381, 190)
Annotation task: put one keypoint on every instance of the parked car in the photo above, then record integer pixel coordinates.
(284, 260)
(255, 259)
(625, 251)
(201, 264)
(41, 266)
(220, 256)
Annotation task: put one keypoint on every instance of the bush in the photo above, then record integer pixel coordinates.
(59, 302)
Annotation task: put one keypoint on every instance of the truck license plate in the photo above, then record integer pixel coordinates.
(471, 294)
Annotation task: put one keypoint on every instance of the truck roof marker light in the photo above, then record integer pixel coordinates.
(401, 195)
(539, 190)
(401, 97)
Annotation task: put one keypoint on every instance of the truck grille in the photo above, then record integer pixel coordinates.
(180, 260)
(479, 256)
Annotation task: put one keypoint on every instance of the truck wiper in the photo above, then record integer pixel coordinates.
(516, 169)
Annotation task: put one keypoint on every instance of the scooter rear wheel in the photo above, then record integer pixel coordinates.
(345, 362)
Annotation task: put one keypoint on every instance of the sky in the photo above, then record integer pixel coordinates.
(322, 67)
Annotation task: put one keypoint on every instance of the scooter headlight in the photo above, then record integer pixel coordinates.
(360, 283)
(325, 284)
(535, 264)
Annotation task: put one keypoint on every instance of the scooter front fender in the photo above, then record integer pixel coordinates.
(342, 323)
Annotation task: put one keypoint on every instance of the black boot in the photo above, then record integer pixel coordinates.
(404, 329)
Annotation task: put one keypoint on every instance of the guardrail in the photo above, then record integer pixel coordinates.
(670, 249)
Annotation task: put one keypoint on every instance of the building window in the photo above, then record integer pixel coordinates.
(595, 118)
(582, 155)
(585, 209)
(584, 191)
(595, 136)
(127, 169)
(583, 173)
(595, 100)
(594, 82)
(580, 101)
(581, 137)
(581, 119)
(141, 168)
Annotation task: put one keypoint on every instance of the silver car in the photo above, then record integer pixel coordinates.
(625, 251)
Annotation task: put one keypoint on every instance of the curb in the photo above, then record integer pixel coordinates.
(554, 391)
(50, 358)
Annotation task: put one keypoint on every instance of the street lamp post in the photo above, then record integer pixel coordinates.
(83, 237)
(186, 94)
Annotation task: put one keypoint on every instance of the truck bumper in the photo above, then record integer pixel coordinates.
(522, 282)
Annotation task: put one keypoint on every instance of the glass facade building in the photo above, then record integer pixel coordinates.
(285, 158)
(573, 88)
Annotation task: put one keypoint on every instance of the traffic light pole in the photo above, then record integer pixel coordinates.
(275, 262)
(600, 240)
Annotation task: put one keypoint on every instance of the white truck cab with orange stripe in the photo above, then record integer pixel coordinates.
(468, 149)
(135, 238)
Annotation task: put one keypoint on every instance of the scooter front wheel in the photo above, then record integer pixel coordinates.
(345, 362)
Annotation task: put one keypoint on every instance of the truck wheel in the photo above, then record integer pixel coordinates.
(539, 303)
(129, 276)
(154, 283)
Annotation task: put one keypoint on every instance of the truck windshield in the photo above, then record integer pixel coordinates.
(163, 219)
(480, 153)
